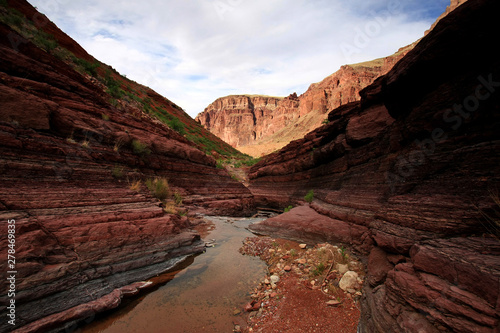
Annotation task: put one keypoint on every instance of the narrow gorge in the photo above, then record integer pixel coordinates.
(105, 180)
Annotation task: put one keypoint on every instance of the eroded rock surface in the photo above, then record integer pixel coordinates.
(411, 168)
(260, 124)
(68, 158)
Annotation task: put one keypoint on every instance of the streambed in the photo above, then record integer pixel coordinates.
(202, 296)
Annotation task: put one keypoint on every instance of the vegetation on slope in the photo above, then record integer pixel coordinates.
(124, 94)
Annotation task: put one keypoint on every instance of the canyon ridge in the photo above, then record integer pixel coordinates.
(104, 179)
(259, 125)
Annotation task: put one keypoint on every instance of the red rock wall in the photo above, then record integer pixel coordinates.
(405, 177)
(245, 120)
(82, 235)
(240, 120)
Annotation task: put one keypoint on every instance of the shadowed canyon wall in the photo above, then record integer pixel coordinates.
(84, 238)
(406, 176)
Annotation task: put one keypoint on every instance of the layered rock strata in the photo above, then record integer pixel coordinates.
(406, 177)
(248, 121)
(84, 236)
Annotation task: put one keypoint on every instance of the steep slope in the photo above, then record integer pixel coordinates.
(241, 119)
(77, 151)
(408, 177)
(258, 125)
(272, 126)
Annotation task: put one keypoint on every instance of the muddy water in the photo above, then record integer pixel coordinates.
(199, 298)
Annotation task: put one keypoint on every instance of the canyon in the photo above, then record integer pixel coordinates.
(70, 152)
(402, 170)
(258, 125)
(405, 177)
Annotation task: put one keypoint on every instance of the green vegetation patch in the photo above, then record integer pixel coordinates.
(309, 197)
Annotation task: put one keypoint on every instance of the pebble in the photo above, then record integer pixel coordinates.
(287, 268)
(275, 278)
(303, 246)
(333, 302)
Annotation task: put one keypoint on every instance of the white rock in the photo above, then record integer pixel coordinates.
(348, 281)
(342, 268)
(275, 278)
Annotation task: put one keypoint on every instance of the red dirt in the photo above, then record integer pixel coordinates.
(297, 308)
(294, 304)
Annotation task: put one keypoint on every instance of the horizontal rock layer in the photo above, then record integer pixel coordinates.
(263, 123)
(406, 176)
(68, 158)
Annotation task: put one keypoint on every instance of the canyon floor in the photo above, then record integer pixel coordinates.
(303, 289)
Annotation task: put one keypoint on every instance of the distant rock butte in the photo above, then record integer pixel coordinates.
(259, 125)
(406, 181)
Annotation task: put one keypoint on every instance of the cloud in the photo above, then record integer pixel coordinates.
(193, 52)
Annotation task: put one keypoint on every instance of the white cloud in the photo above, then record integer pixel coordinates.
(193, 52)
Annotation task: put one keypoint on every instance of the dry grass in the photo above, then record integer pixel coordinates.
(136, 186)
(159, 188)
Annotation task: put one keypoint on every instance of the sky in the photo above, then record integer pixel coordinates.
(195, 51)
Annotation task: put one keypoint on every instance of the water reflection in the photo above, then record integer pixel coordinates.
(201, 296)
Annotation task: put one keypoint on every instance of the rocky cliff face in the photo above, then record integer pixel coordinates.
(84, 237)
(259, 125)
(241, 119)
(406, 176)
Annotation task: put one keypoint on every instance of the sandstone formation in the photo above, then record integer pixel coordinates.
(259, 125)
(241, 119)
(68, 157)
(406, 176)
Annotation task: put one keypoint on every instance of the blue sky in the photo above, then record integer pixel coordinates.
(194, 51)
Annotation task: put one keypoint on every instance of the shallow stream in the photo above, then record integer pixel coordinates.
(200, 296)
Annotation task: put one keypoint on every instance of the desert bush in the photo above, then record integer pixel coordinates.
(117, 172)
(309, 196)
(287, 209)
(177, 198)
(140, 148)
(136, 186)
(159, 188)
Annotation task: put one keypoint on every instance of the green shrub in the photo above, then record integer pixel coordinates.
(287, 209)
(319, 269)
(159, 188)
(87, 66)
(309, 196)
(140, 148)
(45, 41)
(115, 91)
(117, 172)
(114, 87)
